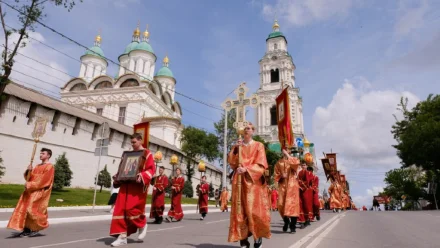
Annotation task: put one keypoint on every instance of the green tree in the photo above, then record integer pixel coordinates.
(168, 188)
(104, 179)
(30, 12)
(63, 174)
(211, 191)
(189, 171)
(197, 143)
(418, 137)
(271, 156)
(405, 181)
(188, 190)
(232, 135)
(2, 169)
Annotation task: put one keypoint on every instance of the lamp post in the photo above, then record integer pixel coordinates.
(174, 160)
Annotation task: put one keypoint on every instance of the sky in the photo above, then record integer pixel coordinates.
(354, 61)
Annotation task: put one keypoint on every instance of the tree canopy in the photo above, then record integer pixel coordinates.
(197, 143)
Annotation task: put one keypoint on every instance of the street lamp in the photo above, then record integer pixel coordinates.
(174, 160)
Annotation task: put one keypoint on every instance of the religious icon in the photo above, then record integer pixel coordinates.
(130, 165)
(40, 128)
(281, 111)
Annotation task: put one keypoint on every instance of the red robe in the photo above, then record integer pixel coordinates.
(316, 202)
(176, 211)
(158, 197)
(305, 179)
(274, 197)
(203, 198)
(129, 211)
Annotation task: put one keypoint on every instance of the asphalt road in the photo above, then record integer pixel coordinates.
(349, 229)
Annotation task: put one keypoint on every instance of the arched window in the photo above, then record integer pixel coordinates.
(129, 83)
(103, 85)
(275, 46)
(273, 116)
(274, 76)
(150, 87)
(78, 87)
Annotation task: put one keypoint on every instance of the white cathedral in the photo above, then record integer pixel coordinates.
(277, 70)
(136, 92)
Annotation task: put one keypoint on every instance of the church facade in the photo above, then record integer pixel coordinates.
(137, 91)
(277, 70)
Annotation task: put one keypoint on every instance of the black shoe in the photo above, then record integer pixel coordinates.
(160, 220)
(286, 224)
(258, 243)
(307, 223)
(245, 243)
(318, 218)
(292, 225)
(302, 226)
(34, 234)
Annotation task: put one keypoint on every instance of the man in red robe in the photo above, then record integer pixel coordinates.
(129, 213)
(176, 211)
(30, 213)
(316, 201)
(203, 198)
(305, 178)
(158, 197)
(274, 197)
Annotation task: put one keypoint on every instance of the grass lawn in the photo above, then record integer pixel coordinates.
(10, 193)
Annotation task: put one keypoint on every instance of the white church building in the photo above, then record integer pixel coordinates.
(276, 70)
(89, 100)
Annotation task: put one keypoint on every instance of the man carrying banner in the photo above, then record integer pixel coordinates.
(158, 196)
(30, 214)
(224, 198)
(335, 194)
(285, 174)
(203, 198)
(129, 212)
(176, 211)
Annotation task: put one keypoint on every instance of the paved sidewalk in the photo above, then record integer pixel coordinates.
(87, 215)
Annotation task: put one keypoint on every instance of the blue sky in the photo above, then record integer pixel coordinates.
(354, 60)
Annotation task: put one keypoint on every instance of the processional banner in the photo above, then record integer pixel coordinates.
(143, 129)
(285, 130)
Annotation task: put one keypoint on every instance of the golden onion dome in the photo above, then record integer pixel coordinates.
(137, 32)
(98, 38)
(146, 33)
(276, 25)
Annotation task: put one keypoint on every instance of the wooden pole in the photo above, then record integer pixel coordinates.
(34, 150)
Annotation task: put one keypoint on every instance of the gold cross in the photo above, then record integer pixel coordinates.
(240, 105)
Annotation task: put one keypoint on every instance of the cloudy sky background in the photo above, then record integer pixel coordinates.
(354, 60)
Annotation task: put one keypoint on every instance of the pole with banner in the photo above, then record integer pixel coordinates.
(101, 150)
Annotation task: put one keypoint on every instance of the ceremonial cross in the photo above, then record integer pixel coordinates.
(240, 106)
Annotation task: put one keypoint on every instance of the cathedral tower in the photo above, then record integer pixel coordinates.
(277, 70)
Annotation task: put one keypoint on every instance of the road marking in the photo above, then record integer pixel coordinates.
(216, 221)
(302, 241)
(321, 236)
(83, 240)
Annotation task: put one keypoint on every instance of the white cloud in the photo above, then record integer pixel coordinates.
(410, 18)
(357, 124)
(29, 66)
(302, 12)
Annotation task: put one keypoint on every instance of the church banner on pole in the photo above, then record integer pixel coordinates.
(285, 130)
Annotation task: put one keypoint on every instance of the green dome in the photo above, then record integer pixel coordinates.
(131, 47)
(165, 71)
(275, 34)
(95, 50)
(144, 46)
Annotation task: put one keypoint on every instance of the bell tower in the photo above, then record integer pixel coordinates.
(277, 70)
